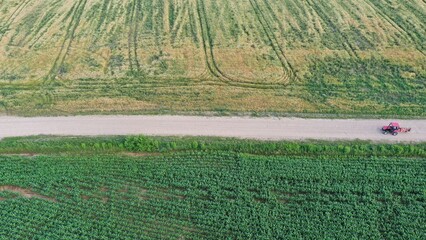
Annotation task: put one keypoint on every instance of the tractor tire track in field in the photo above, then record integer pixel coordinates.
(39, 30)
(273, 15)
(395, 25)
(166, 16)
(179, 22)
(50, 16)
(385, 17)
(78, 10)
(417, 12)
(106, 8)
(207, 43)
(288, 70)
(4, 28)
(179, 31)
(198, 39)
(37, 35)
(346, 44)
(133, 37)
(299, 9)
(157, 18)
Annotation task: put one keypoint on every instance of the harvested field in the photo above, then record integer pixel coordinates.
(282, 56)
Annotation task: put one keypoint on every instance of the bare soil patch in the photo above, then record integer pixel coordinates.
(26, 193)
(140, 154)
(85, 197)
(21, 154)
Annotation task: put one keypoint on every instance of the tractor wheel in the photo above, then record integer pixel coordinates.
(385, 132)
(394, 133)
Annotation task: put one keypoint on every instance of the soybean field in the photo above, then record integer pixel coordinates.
(211, 195)
(282, 56)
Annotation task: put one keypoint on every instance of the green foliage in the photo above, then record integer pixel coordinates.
(194, 145)
(48, 144)
(346, 150)
(374, 80)
(212, 195)
(141, 144)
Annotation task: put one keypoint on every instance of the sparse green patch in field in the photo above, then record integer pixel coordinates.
(391, 85)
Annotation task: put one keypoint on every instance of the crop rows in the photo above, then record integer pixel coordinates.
(201, 195)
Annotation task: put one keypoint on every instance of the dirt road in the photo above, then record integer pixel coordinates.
(241, 127)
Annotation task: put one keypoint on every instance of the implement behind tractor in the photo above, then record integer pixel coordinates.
(394, 128)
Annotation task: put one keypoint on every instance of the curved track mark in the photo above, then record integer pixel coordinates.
(212, 66)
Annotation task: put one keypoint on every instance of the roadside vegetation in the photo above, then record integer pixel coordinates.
(195, 56)
(145, 144)
(142, 187)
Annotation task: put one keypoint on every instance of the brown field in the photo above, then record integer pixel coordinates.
(281, 56)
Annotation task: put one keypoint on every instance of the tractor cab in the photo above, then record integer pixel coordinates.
(394, 126)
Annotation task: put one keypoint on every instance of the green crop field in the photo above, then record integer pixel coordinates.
(97, 189)
(260, 56)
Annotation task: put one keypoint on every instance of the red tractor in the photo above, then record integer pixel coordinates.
(394, 129)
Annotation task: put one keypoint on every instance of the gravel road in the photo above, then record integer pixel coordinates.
(241, 127)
